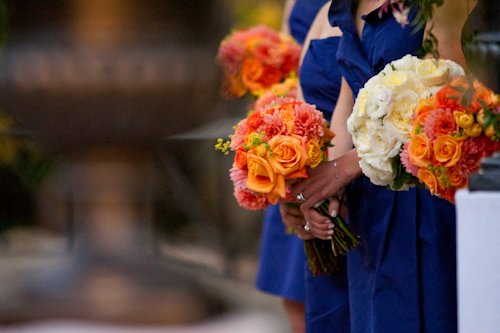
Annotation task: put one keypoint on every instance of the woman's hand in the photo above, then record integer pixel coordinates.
(323, 184)
(293, 218)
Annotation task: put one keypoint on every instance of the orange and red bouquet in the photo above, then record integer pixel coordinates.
(255, 59)
(452, 131)
(275, 144)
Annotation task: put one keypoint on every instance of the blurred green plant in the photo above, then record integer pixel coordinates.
(250, 13)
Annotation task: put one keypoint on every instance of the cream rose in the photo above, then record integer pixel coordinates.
(432, 72)
(399, 120)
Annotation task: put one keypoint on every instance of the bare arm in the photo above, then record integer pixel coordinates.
(448, 21)
(285, 26)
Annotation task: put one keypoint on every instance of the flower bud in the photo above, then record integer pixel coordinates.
(480, 117)
(261, 150)
(474, 131)
(495, 99)
(464, 120)
(490, 131)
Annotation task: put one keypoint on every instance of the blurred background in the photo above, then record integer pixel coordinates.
(116, 212)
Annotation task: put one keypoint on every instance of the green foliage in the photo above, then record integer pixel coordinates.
(402, 176)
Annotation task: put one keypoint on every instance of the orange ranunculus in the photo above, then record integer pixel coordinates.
(279, 189)
(448, 150)
(315, 154)
(448, 98)
(420, 150)
(270, 75)
(288, 118)
(233, 86)
(261, 177)
(288, 154)
(255, 120)
(428, 178)
(251, 71)
(455, 178)
(328, 135)
(240, 159)
(481, 93)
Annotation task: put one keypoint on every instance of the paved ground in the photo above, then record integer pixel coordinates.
(40, 282)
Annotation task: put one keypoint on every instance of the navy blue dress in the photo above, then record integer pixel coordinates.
(327, 300)
(402, 278)
(282, 257)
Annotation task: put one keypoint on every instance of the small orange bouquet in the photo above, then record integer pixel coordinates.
(278, 143)
(452, 131)
(255, 59)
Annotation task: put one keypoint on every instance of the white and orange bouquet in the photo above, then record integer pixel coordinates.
(451, 132)
(276, 144)
(382, 117)
(255, 59)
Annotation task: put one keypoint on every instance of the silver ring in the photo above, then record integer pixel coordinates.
(307, 227)
(300, 197)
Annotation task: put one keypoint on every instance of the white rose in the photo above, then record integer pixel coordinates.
(455, 70)
(380, 172)
(407, 63)
(361, 139)
(432, 72)
(384, 145)
(373, 82)
(399, 120)
(380, 104)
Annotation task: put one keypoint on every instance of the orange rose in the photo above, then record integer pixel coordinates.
(240, 159)
(288, 117)
(455, 178)
(261, 177)
(448, 150)
(251, 71)
(428, 178)
(279, 189)
(288, 154)
(255, 120)
(420, 150)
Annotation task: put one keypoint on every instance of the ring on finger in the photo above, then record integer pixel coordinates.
(307, 227)
(300, 197)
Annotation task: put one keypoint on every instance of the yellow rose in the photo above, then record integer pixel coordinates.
(288, 154)
(261, 177)
(490, 131)
(480, 117)
(463, 119)
(474, 131)
(448, 149)
(315, 154)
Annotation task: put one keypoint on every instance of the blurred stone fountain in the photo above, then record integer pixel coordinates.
(101, 83)
(477, 208)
